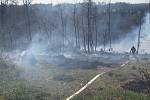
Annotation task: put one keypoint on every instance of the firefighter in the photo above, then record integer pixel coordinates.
(133, 50)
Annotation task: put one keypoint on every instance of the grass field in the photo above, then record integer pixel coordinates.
(47, 82)
(41, 82)
(112, 85)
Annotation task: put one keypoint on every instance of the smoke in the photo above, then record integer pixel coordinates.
(38, 45)
(131, 39)
(41, 46)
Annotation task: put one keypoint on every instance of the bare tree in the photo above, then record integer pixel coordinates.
(84, 34)
(27, 17)
(104, 41)
(96, 26)
(139, 35)
(63, 26)
(91, 34)
(4, 17)
(149, 11)
(75, 25)
(89, 27)
(78, 31)
(109, 25)
(12, 25)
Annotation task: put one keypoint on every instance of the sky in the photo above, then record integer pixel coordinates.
(72, 1)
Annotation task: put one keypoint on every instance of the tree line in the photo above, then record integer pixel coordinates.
(82, 26)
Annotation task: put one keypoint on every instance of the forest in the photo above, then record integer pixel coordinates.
(89, 50)
(82, 26)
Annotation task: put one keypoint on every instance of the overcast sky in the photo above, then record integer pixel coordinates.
(72, 1)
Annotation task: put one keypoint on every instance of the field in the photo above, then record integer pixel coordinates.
(123, 84)
(46, 81)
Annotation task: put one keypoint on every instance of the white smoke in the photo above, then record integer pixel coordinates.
(132, 39)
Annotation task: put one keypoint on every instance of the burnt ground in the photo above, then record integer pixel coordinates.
(136, 86)
(85, 61)
(61, 76)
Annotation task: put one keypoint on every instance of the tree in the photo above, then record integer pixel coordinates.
(75, 25)
(139, 35)
(3, 19)
(89, 37)
(149, 11)
(84, 34)
(109, 25)
(96, 26)
(104, 41)
(27, 18)
(63, 27)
